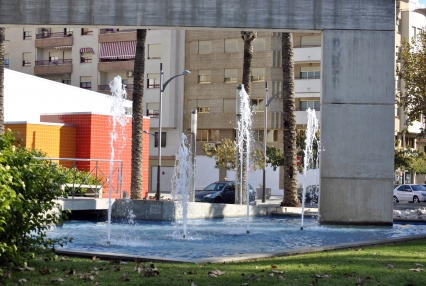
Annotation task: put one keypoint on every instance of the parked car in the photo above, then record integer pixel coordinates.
(311, 194)
(409, 192)
(221, 192)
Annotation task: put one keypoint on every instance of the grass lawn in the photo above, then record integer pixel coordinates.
(396, 264)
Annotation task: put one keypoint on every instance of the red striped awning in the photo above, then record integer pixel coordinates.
(87, 50)
(63, 47)
(118, 50)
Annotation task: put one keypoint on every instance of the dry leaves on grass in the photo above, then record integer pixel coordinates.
(150, 271)
(21, 269)
(274, 266)
(22, 280)
(57, 280)
(389, 266)
(321, 276)
(253, 277)
(124, 277)
(216, 273)
(45, 271)
(416, 269)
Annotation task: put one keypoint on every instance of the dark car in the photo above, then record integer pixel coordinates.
(311, 194)
(221, 192)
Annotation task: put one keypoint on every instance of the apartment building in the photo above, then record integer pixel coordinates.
(216, 61)
(89, 58)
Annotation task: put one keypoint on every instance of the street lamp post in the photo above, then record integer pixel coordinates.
(162, 88)
(265, 130)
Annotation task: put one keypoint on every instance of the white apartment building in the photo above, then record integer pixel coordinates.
(89, 58)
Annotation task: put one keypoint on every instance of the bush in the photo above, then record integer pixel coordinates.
(27, 211)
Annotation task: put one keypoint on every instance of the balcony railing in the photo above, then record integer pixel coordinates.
(53, 62)
(111, 31)
(53, 35)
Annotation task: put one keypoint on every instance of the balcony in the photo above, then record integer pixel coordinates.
(115, 35)
(302, 116)
(48, 39)
(117, 65)
(307, 55)
(308, 86)
(53, 67)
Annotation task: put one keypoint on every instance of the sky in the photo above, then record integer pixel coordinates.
(422, 2)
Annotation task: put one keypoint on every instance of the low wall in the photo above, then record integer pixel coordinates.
(168, 210)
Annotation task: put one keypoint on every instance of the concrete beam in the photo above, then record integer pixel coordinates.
(239, 14)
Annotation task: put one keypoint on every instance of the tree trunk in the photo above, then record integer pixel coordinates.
(137, 117)
(248, 38)
(289, 124)
(1, 81)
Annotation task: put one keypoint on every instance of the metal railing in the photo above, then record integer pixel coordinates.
(53, 62)
(113, 31)
(48, 34)
(96, 172)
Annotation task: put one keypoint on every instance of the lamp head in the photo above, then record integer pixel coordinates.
(185, 72)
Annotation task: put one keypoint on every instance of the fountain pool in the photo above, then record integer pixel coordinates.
(221, 239)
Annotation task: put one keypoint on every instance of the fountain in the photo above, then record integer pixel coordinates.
(218, 239)
(181, 180)
(118, 113)
(310, 165)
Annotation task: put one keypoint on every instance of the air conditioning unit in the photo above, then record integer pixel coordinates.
(129, 73)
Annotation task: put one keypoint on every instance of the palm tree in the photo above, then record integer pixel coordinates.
(248, 38)
(137, 117)
(1, 81)
(289, 124)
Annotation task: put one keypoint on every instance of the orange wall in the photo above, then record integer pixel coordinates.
(93, 142)
(57, 141)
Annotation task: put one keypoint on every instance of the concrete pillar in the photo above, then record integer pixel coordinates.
(357, 127)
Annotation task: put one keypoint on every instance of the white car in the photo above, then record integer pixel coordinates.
(409, 192)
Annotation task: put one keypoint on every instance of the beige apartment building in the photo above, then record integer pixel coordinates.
(90, 58)
(215, 59)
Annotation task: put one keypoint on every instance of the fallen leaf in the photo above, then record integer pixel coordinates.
(257, 267)
(26, 268)
(252, 277)
(389, 266)
(418, 264)
(124, 277)
(193, 284)
(22, 280)
(271, 274)
(217, 272)
(360, 281)
(212, 275)
(117, 268)
(94, 258)
(333, 266)
(416, 269)
(244, 284)
(281, 278)
(44, 271)
(273, 266)
(277, 272)
(57, 280)
(321, 276)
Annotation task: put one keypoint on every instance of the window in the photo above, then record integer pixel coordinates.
(204, 47)
(153, 80)
(66, 81)
(54, 57)
(311, 41)
(229, 105)
(67, 32)
(257, 74)
(259, 44)
(6, 60)
(271, 135)
(154, 51)
(163, 139)
(86, 58)
(312, 104)
(230, 75)
(86, 31)
(207, 135)
(231, 45)
(257, 104)
(204, 76)
(153, 109)
(86, 82)
(310, 75)
(27, 34)
(203, 105)
(26, 59)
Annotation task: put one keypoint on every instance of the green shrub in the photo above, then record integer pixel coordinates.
(27, 211)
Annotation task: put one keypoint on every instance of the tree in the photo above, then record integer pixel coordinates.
(28, 189)
(136, 184)
(411, 68)
(289, 124)
(248, 38)
(1, 80)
